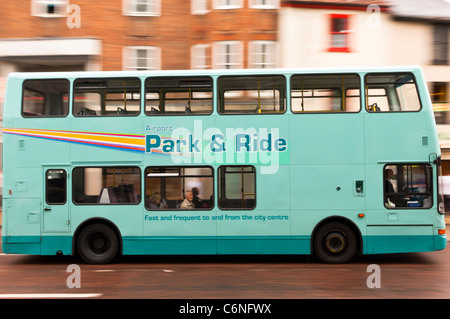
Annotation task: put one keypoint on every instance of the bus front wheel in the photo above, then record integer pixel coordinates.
(97, 244)
(335, 243)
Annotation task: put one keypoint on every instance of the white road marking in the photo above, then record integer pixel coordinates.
(168, 270)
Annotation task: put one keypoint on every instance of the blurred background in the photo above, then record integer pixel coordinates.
(88, 35)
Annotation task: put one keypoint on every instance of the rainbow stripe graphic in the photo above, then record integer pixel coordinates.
(126, 142)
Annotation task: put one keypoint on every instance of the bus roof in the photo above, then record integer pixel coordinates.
(209, 72)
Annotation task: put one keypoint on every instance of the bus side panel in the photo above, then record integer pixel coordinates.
(398, 137)
(169, 245)
(399, 239)
(21, 226)
(54, 244)
(327, 167)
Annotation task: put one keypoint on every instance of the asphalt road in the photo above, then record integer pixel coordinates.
(404, 276)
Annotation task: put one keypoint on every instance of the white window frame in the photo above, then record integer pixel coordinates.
(264, 4)
(262, 54)
(131, 8)
(228, 55)
(200, 55)
(131, 59)
(200, 7)
(39, 8)
(228, 4)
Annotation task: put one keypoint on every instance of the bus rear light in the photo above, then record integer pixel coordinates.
(441, 231)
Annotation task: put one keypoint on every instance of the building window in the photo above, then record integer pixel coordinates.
(200, 6)
(339, 33)
(45, 98)
(228, 55)
(200, 56)
(237, 187)
(142, 7)
(179, 188)
(264, 4)
(228, 4)
(49, 8)
(142, 58)
(441, 34)
(439, 98)
(262, 54)
(408, 186)
(106, 185)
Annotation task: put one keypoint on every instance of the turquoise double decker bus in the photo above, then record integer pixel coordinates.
(331, 162)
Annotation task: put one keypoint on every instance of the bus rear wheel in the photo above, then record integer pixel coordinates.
(97, 244)
(335, 243)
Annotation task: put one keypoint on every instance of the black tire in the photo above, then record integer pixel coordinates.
(97, 244)
(335, 243)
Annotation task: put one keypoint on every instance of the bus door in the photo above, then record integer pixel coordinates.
(55, 203)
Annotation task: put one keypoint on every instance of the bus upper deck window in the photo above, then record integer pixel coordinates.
(45, 98)
(325, 93)
(391, 92)
(107, 97)
(252, 94)
(182, 95)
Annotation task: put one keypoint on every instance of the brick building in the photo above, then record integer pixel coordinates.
(105, 35)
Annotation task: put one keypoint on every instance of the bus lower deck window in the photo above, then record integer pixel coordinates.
(237, 187)
(56, 187)
(106, 185)
(179, 187)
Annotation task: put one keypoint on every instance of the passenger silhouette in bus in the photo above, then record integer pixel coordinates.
(187, 203)
(388, 187)
(157, 202)
(196, 199)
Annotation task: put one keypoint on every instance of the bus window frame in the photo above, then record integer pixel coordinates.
(103, 98)
(159, 113)
(212, 176)
(220, 95)
(366, 90)
(24, 115)
(221, 188)
(358, 76)
(47, 189)
(74, 181)
(427, 167)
